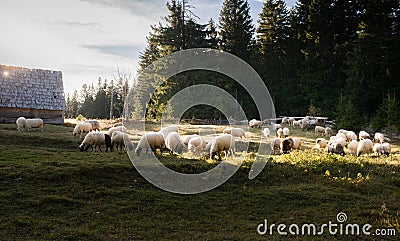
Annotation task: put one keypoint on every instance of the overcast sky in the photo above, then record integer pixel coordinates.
(86, 39)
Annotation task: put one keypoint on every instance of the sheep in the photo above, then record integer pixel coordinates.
(320, 143)
(266, 132)
(386, 148)
(353, 147)
(364, 146)
(118, 128)
(339, 138)
(174, 144)
(150, 140)
(343, 131)
(341, 135)
(350, 135)
(380, 138)
(296, 123)
(186, 139)
(319, 129)
(82, 127)
(197, 144)
(328, 132)
(118, 138)
(21, 123)
(290, 121)
(255, 123)
(286, 132)
(166, 130)
(336, 148)
(286, 145)
(235, 132)
(285, 120)
(34, 123)
(363, 135)
(279, 133)
(95, 139)
(224, 142)
(95, 124)
(275, 145)
(276, 126)
(296, 143)
(378, 149)
(118, 124)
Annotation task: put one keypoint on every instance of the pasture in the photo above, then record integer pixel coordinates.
(51, 191)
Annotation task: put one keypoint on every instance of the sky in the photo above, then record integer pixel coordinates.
(87, 39)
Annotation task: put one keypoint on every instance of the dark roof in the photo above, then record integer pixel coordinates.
(31, 88)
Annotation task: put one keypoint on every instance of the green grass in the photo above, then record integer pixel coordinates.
(51, 191)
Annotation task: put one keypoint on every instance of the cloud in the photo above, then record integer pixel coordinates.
(127, 51)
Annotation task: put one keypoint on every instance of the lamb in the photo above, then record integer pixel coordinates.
(82, 127)
(186, 139)
(34, 123)
(364, 146)
(173, 143)
(166, 130)
(350, 135)
(319, 129)
(266, 132)
(363, 135)
(380, 138)
(197, 144)
(235, 132)
(255, 123)
(328, 132)
(224, 142)
(95, 124)
(286, 132)
(353, 147)
(320, 143)
(286, 145)
(279, 133)
(378, 149)
(118, 139)
(118, 128)
(275, 145)
(95, 139)
(336, 148)
(21, 123)
(150, 140)
(386, 148)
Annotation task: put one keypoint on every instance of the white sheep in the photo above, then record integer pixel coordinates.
(235, 132)
(343, 131)
(224, 142)
(21, 123)
(186, 139)
(255, 123)
(386, 148)
(341, 135)
(291, 120)
(296, 143)
(82, 127)
(353, 145)
(286, 132)
(94, 139)
(296, 123)
(336, 148)
(174, 144)
(118, 128)
(285, 120)
(197, 144)
(350, 135)
(166, 130)
(328, 132)
(339, 138)
(118, 139)
(275, 145)
(320, 143)
(279, 133)
(363, 135)
(319, 129)
(276, 126)
(34, 123)
(95, 124)
(380, 138)
(266, 132)
(364, 146)
(150, 140)
(378, 149)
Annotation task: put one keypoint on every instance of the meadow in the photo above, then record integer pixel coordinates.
(51, 191)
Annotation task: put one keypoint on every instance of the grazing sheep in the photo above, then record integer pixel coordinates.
(350, 135)
(328, 132)
(34, 123)
(279, 133)
(276, 145)
(95, 124)
(363, 135)
(82, 127)
(186, 139)
(21, 123)
(166, 130)
(150, 140)
(118, 139)
(386, 148)
(296, 123)
(353, 147)
(286, 145)
(286, 132)
(319, 129)
(266, 132)
(320, 143)
(118, 128)
(276, 126)
(341, 135)
(380, 138)
(95, 139)
(174, 144)
(285, 120)
(335, 148)
(378, 149)
(339, 138)
(235, 132)
(296, 143)
(343, 131)
(224, 142)
(364, 146)
(291, 120)
(197, 144)
(118, 124)
(255, 123)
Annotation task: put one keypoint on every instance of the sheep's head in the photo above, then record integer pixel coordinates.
(82, 147)
(138, 151)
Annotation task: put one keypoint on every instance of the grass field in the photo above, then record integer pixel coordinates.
(51, 191)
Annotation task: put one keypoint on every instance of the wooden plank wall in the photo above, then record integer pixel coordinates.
(10, 115)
